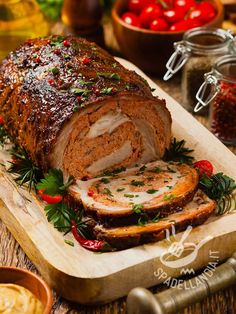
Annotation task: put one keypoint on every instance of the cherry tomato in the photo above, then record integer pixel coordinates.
(131, 19)
(159, 24)
(150, 13)
(204, 12)
(173, 15)
(180, 26)
(55, 199)
(137, 6)
(204, 167)
(184, 5)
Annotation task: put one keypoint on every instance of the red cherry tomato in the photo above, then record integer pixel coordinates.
(184, 5)
(204, 12)
(204, 167)
(173, 15)
(150, 13)
(159, 24)
(55, 199)
(131, 19)
(136, 6)
(180, 26)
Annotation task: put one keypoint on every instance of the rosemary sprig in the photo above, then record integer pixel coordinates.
(220, 187)
(24, 169)
(178, 152)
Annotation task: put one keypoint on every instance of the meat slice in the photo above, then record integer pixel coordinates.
(193, 214)
(74, 107)
(116, 197)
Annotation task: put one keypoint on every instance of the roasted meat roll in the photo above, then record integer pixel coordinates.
(73, 106)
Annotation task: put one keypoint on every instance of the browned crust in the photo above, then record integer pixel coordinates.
(126, 237)
(35, 111)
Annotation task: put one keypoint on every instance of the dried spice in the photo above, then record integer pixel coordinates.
(223, 113)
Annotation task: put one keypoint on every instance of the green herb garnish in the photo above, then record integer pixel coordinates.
(105, 180)
(219, 187)
(168, 197)
(137, 208)
(120, 189)
(81, 92)
(137, 183)
(71, 243)
(151, 191)
(106, 91)
(129, 195)
(178, 152)
(107, 192)
(114, 76)
(55, 71)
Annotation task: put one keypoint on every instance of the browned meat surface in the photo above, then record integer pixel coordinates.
(157, 187)
(72, 106)
(193, 214)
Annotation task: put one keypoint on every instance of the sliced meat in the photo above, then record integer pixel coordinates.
(193, 214)
(75, 108)
(116, 197)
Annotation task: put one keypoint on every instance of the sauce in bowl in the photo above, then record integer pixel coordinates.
(15, 299)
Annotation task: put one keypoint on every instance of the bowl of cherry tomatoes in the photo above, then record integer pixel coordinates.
(146, 29)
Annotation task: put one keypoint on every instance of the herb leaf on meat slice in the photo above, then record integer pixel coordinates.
(178, 152)
(53, 182)
(220, 187)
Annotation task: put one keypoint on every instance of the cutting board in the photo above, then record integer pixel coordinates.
(82, 276)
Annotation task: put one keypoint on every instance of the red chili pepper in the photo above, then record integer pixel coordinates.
(86, 60)
(90, 193)
(66, 43)
(1, 121)
(92, 245)
(85, 178)
(79, 99)
(57, 51)
(51, 81)
(50, 199)
(38, 60)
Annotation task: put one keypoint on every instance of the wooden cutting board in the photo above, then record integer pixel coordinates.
(86, 277)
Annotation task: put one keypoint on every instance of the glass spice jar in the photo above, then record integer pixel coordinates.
(196, 54)
(219, 90)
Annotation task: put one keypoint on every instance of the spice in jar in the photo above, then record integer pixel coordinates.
(223, 113)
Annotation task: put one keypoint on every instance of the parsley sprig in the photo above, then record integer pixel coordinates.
(53, 182)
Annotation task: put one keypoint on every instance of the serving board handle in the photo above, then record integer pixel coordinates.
(142, 301)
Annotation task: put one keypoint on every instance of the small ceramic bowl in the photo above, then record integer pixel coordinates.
(148, 49)
(29, 281)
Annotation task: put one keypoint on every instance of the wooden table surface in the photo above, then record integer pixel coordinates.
(11, 253)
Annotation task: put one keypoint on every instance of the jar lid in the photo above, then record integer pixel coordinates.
(204, 40)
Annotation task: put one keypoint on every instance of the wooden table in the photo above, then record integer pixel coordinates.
(11, 253)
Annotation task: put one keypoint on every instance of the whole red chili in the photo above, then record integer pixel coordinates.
(66, 43)
(92, 245)
(86, 60)
(1, 120)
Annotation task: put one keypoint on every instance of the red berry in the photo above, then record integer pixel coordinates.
(204, 12)
(57, 51)
(137, 6)
(150, 13)
(90, 193)
(173, 15)
(1, 120)
(38, 60)
(86, 60)
(159, 25)
(131, 19)
(66, 43)
(204, 167)
(180, 26)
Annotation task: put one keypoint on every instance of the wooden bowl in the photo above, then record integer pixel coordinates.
(29, 281)
(148, 49)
